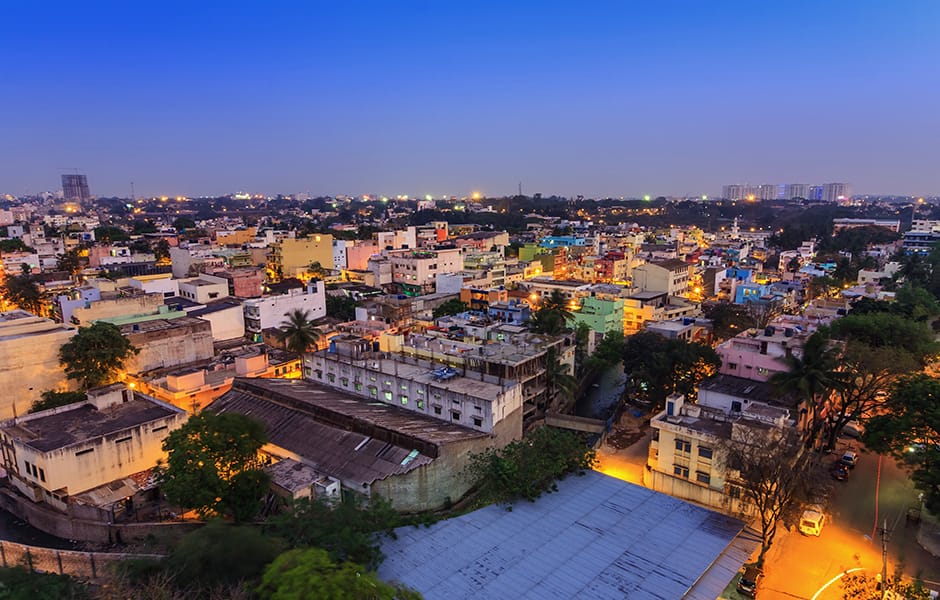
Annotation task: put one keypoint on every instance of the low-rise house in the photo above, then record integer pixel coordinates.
(55, 455)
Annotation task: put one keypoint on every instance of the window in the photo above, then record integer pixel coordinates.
(735, 406)
(734, 491)
(42, 475)
(684, 446)
(373, 391)
(388, 396)
(331, 377)
(345, 381)
(705, 452)
(388, 382)
(403, 399)
(404, 387)
(478, 409)
(477, 422)
(29, 467)
(703, 477)
(437, 410)
(123, 439)
(156, 429)
(420, 392)
(86, 451)
(358, 387)
(732, 366)
(455, 415)
(681, 471)
(420, 403)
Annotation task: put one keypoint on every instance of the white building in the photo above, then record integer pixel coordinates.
(269, 311)
(204, 288)
(416, 270)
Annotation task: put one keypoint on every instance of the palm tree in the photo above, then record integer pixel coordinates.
(298, 333)
(560, 385)
(556, 302)
(812, 377)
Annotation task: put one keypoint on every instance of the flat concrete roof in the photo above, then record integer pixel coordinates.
(597, 537)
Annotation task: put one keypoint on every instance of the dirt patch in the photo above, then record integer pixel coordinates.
(629, 429)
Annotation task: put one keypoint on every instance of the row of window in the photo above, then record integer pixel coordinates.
(32, 470)
(685, 447)
(700, 476)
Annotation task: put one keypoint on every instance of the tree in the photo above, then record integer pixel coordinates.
(450, 307)
(769, 468)
(762, 313)
(54, 399)
(297, 332)
(183, 223)
(108, 234)
(658, 366)
(887, 330)
(69, 262)
(529, 467)
(221, 554)
(22, 291)
(161, 250)
(212, 465)
(560, 385)
(310, 574)
(909, 429)
(556, 302)
(19, 583)
(316, 270)
(348, 529)
(341, 307)
(96, 354)
(863, 586)
(728, 319)
(812, 377)
(552, 316)
(14, 245)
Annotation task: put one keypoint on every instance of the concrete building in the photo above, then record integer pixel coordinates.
(117, 308)
(246, 282)
(890, 224)
(195, 259)
(836, 192)
(601, 316)
(161, 283)
(168, 342)
(226, 317)
(482, 403)
(758, 354)
(270, 311)
(292, 257)
(204, 288)
(75, 188)
(415, 271)
(55, 455)
(669, 276)
(370, 447)
(29, 359)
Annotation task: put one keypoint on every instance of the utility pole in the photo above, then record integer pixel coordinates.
(884, 560)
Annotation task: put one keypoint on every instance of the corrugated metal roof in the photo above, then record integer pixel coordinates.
(597, 537)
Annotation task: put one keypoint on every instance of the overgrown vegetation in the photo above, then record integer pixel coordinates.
(527, 468)
(96, 355)
(659, 366)
(53, 399)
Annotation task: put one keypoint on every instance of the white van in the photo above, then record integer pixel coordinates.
(812, 521)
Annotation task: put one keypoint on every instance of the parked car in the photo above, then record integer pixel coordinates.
(850, 458)
(853, 429)
(750, 581)
(812, 521)
(840, 471)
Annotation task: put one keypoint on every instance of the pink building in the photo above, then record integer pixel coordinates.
(244, 282)
(756, 354)
(357, 257)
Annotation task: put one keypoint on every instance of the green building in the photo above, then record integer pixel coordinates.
(602, 316)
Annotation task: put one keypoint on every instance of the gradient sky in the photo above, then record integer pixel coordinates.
(593, 98)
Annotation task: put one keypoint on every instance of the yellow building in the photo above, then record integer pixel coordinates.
(292, 257)
(236, 237)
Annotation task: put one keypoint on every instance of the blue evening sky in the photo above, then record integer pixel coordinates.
(594, 98)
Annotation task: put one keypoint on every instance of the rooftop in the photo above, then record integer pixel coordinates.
(85, 422)
(597, 537)
(739, 387)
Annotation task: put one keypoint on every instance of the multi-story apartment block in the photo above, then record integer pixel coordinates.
(292, 257)
(483, 402)
(758, 354)
(414, 272)
(270, 311)
(669, 276)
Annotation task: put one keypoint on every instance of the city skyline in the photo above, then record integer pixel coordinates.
(602, 101)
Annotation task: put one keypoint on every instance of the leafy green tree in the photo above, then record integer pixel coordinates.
(109, 234)
(18, 583)
(183, 223)
(14, 245)
(560, 385)
(348, 529)
(221, 554)
(728, 319)
(556, 302)
(23, 291)
(53, 399)
(341, 307)
(450, 307)
(812, 377)
(96, 355)
(316, 270)
(69, 262)
(161, 250)
(528, 467)
(212, 465)
(909, 429)
(310, 574)
(887, 330)
(658, 366)
(297, 332)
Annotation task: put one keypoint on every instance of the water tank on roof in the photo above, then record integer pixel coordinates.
(687, 320)
(769, 331)
(788, 332)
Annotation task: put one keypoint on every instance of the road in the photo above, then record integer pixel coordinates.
(798, 566)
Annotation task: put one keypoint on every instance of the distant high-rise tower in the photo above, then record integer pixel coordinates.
(835, 192)
(796, 190)
(75, 188)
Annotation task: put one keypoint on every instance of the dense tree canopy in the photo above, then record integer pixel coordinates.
(909, 429)
(658, 366)
(53, 399)
(212, 465)
(527, 468)
(450, 307)
(311, 574)
(341, 307)
(96, 355)
(221, 554)
(23, 291)
(298, 332)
